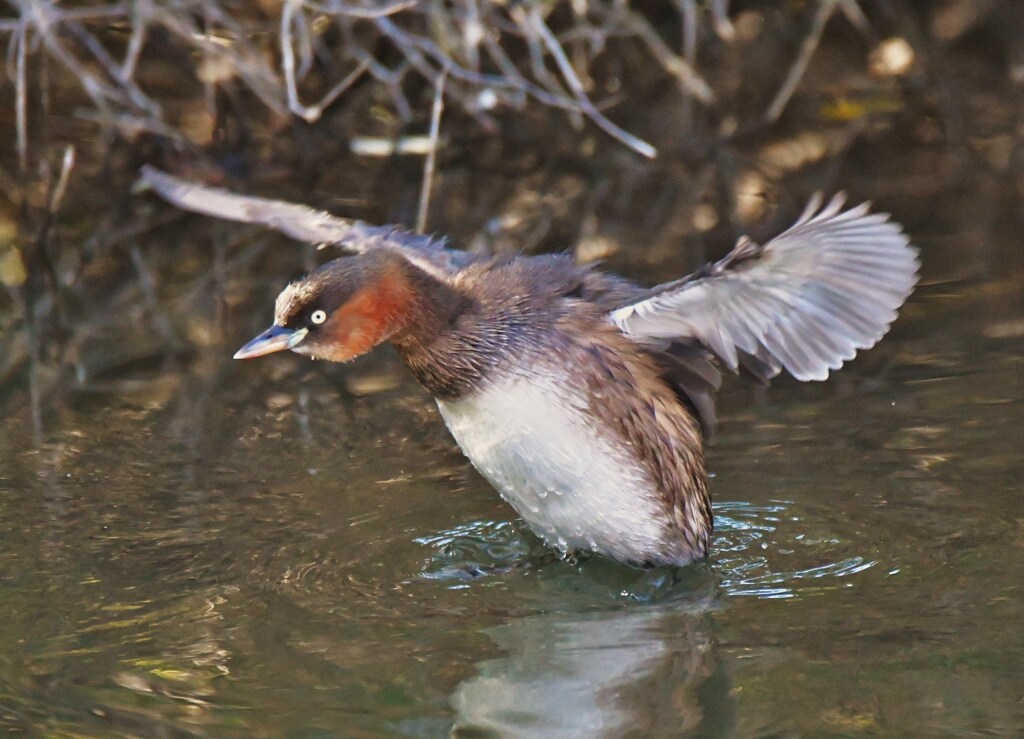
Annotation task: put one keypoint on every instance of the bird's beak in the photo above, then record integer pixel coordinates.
(274, 339)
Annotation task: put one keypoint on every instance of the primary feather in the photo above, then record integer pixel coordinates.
(303, 223)
(806, 301)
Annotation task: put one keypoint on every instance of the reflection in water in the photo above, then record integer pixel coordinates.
(647, 669)
(572, 675)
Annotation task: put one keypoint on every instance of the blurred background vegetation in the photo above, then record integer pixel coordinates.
(649, 134)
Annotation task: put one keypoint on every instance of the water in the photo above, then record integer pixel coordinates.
(276, 560)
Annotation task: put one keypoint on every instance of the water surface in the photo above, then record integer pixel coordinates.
(258, 554)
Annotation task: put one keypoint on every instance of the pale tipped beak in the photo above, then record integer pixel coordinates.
(274, 339)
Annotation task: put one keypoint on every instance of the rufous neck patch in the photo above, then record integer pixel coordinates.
(372, 315)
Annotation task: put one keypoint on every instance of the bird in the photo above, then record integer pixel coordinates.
(583, 398)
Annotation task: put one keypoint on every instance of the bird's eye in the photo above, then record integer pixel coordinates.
(318, 317)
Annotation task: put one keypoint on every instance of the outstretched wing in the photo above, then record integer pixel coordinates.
(806, 301)
(303, 223)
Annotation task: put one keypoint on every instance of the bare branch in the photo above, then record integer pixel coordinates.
(495, 53)
(356, 11)
(796, 72)
(428, 164)
(67, 164)
(21, 97)
(638, 145)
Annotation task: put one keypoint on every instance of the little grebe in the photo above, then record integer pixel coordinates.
(583, 398)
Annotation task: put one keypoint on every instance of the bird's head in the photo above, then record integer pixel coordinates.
(341, 310)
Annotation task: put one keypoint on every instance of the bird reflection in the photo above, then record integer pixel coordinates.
(650, 670)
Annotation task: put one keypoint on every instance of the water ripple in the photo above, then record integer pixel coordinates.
(773, 550)
(751, 541)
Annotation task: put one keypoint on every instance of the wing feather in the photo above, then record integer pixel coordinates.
(297, 221)
(303, 223)
(806, 301)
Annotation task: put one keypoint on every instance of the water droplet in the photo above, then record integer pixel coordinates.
(542, 494)
(562, 543)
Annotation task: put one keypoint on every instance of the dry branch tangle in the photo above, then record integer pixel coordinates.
(494, 54)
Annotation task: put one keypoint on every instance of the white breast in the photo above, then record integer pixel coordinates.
(530, 436)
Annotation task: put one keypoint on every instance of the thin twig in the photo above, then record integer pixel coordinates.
(147, 281)
(416, 59)
(856, 16)
(356, 11)
(246, 60)
(67, 164)
(100, 92)
(338, 89)
(540, 70)
(391, 78)
(428, 164)
(127, 87)
(720, 18)
(140, 27)
(309, 113)
(288, 17)
(688, 14)
(689, 80)
(555, 49)
(103, 12)
(21, 96)
(473, 33)
(796, 72)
